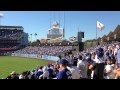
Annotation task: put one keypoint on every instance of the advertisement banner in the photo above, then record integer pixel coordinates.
(46, 57)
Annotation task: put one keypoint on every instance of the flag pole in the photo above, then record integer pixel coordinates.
(96, 33)
(96, 30)
(64, 27)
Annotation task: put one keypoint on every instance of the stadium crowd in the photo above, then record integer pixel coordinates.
(8, 47)
(10, 34)
(99, 62)
(44, 50)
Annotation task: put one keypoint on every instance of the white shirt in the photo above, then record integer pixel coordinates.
(83, 69)
(115, 50)
(40, 70)
(75, 72)
(46, 74)
(108, 68)
(21, 76)
(98, 60)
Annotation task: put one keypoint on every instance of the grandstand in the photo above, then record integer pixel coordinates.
(12, 38)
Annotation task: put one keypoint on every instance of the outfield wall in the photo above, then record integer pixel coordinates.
(37, 56)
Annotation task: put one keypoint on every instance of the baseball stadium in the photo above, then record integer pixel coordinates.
(58, 57)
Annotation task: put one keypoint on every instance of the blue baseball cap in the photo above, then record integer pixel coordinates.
(80, 57)
(63, 61)
(100, 49)
(100, 52)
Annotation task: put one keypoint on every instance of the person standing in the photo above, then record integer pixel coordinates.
(99, 66)
(118, 57)
(81, 65)
(108, 71)
(74, 71)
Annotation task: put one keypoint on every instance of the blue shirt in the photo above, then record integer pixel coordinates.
(64, 74)
(39, 73)
(118, 56)
(50, 73)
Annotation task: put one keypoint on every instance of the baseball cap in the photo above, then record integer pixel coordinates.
(63, 61)
(80, 57)
(100, 49)
(100, 52)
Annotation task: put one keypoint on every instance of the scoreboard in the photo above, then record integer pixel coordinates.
(55, 33)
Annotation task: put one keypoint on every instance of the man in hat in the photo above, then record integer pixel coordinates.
(99, 66)
(64, 73)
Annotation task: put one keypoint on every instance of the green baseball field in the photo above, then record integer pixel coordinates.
(18, 64)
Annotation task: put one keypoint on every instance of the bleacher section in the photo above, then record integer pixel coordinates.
(11, 38)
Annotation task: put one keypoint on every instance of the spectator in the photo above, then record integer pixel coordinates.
(45, 74)
(99, 70)
(50, 70)
(74, 71)
(64, 73)
(81, 65)
(39, 72)
(14, 75)
(108, 71)
(118, 56)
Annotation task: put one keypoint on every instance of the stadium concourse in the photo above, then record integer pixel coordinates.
(98, 62)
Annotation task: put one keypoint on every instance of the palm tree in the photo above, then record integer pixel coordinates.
(31, 37)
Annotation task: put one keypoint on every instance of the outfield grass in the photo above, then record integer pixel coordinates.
(9, 64)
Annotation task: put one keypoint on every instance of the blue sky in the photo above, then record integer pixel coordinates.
(39, 21)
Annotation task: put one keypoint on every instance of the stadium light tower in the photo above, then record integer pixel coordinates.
(1, 15)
